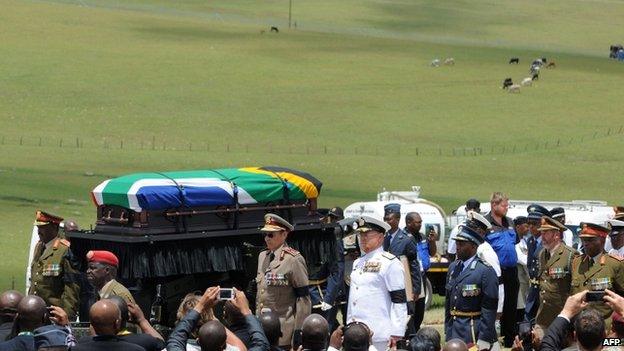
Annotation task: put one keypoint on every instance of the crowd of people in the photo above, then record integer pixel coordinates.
(515, 283)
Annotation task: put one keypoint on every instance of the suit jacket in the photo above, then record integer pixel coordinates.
(474, 290)
(404, 245)
(107, 343)
(555, 335)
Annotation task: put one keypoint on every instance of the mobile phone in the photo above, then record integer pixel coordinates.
(594, 296)
(226, 294)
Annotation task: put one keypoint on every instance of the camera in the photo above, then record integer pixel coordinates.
(594, 296)
(525, 335)
(226, 294)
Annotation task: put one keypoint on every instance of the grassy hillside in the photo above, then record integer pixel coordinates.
(94, 89)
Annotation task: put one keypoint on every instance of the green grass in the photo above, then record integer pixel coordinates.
(348, 96)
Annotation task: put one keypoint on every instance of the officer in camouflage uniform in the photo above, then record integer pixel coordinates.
(555, 263)
(54, 272)
(596, 270)
(282, 281)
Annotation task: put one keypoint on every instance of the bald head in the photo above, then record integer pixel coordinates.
(271, 326)
(105, 317)
(212, 336)
(455, 345)
(123, 309)
(356, 337)
(31, 313)
(8, 305)
(315, 332)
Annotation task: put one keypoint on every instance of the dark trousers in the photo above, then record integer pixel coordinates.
(415, 319)
(509, 321)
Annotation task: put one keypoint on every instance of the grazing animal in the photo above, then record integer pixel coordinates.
(534, 70)
(544, 60)
(507, 83)
(274, 29)
(449, 61)
(435, 63)
(515, 60)
(527, 82)
(537, 62)
(535, 76)
(551, 65)
(515, 88)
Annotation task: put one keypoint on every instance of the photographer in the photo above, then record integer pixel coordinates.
(589, 327)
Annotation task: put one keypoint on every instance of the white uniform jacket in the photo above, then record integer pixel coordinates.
(487, 254)
(377, 294)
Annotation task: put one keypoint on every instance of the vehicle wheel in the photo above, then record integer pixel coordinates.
(429, 294)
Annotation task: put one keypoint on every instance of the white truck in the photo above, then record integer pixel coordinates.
(432, 215)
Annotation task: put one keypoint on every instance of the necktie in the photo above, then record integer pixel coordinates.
(387, 243)
(458, 269)
(267, 260)
(271, 257)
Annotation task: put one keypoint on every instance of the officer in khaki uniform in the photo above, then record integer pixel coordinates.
(101, 273)
(555, 271)
(54, 272)
(597, 270)
(282, 281)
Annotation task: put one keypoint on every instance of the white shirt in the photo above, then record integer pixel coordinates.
(617, 252)
(522, 251)
(373, 277)
(568, 237)
(487, 254)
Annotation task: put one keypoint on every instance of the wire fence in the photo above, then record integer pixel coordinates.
(156, 144)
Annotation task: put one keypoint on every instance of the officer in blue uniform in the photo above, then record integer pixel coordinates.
(399, 243)
(471, 295)
(534, 246)
(327, 278)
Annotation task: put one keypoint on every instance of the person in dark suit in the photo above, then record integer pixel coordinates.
(399, 243)
(105, 320)
(471, 295)
(534, 247)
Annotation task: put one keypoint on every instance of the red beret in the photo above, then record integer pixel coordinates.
(103, 257)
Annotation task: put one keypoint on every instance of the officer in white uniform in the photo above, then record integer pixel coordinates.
(485, 251)
(377, 294)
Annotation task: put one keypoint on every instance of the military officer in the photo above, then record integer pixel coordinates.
(282, 280)
(534, 246)
(101, 273)
(326, 278)
(596, 270)
(54, 269)
(471, 295)
(377, 294)
(555, 266)
(399, 243)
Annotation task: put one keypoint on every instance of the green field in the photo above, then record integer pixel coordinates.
(94, 89)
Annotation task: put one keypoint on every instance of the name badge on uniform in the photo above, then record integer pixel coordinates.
(557, 273)
(51, 270)
(601, 283)
(372, 266)
(470, 290)
(274, 279)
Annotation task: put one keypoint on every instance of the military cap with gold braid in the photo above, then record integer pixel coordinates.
(589, 230)
(551, 224)
(43, 218)
(275, 223)
(365, 224)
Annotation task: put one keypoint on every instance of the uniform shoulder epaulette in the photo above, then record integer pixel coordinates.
(65, 242)
(579, 257)
(291, 251)
(616, 256)
(388, 255)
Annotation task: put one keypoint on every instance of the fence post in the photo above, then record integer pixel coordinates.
(153, 142)
(77, 143)
(61, 143)
(121, 144)
(21, 140)
(416, 151)
(39, 141)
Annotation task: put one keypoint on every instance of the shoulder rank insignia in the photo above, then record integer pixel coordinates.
(616, 256)
(65, 242)
(291, 251)
(388, 255)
